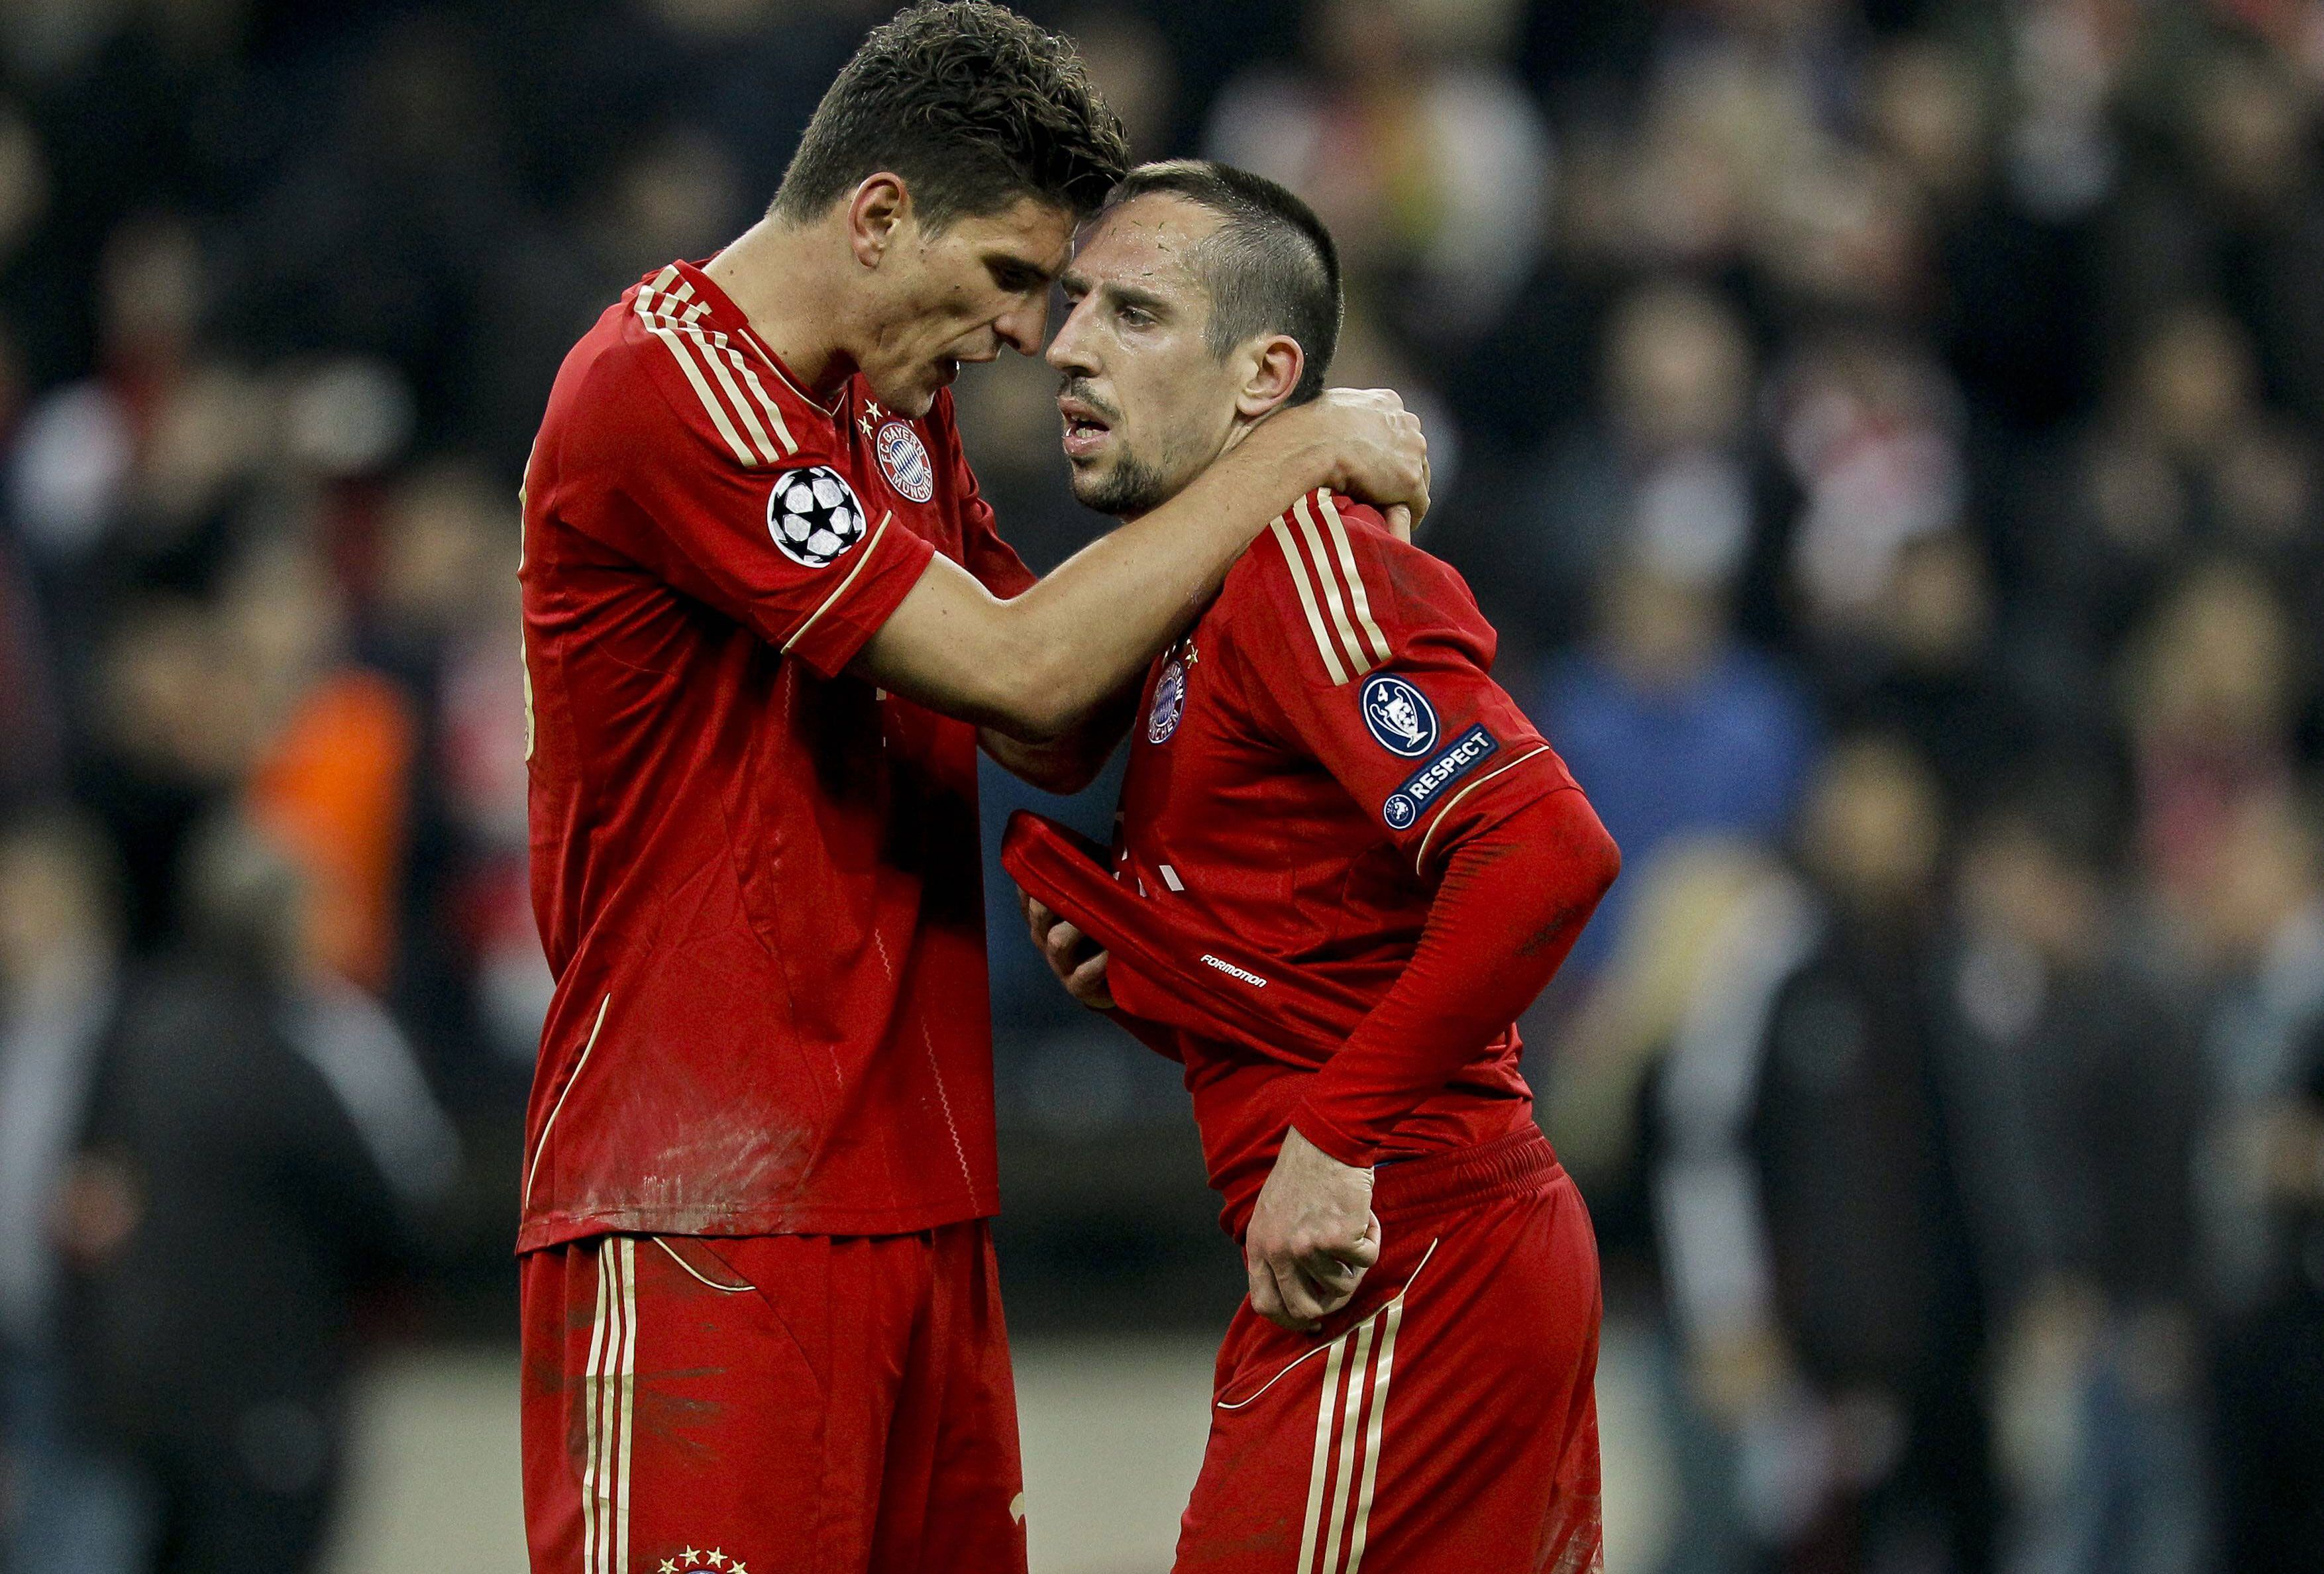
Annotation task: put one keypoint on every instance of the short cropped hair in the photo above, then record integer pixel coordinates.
(973, 105)
(1271, 268)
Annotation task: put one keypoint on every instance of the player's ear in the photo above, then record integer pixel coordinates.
(875, 214)
(1273, 367)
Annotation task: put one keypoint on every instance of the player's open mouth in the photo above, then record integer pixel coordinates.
(1085, 429)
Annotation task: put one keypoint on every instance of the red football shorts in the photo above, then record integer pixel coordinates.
(791, 1404)
(1445, 1419)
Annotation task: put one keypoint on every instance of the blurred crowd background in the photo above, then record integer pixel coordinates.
(1885, 432)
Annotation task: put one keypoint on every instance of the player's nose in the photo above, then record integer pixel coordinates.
(1069, 352)
(1023, 328)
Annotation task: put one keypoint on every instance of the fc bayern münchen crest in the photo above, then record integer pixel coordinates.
(1400, 717)
(1169, 702)
(904, 460)
(813, 515)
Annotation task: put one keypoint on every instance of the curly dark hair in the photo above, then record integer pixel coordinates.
(973, 105)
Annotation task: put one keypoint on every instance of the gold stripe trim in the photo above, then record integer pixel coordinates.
(869, 547)
(534, 1168)
(1357, 598)
(1320, 1349)
(627, 1269)
(719, 346)
(721, 369)
(1421, 854)
(1351, 1413)
(672, 1252)
(1322, 1464)
(590, 1381)
(686, 364)
(1372, 1440)
(1307, 600)
(1328, 576)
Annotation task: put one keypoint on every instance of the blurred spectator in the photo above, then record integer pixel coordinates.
(2209, 686)
(1130, 62)
(2186, 460)
(1671, 723)
(1812, 1230)
(32, 740)
(2234, 216)
(2074, 1087)
(330, 777)
(469, 965)
(129, 461)
(64, 1498)
(260, 1144)
(2260, 1180)
(1667, 461)
(2008, 301)
(1423, 154)
(1870, 429)
(171, 722)
(1926, 662)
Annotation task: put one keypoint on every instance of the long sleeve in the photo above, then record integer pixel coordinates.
(1514, 895)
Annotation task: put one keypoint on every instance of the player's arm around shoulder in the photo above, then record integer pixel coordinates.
(1034, 666)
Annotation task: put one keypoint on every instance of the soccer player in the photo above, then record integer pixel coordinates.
(763, 606)
(1346, 862)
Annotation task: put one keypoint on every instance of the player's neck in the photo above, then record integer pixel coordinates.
(783, 279)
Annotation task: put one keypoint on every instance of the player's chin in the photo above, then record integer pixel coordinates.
(911, 397)
(913, 403)
(937, 375)
(1092, 483)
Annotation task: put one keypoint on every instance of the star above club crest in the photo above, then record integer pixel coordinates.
(867, 424)
(871, 409)
(694, 1560)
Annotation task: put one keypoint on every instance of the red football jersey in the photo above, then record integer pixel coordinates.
(756, 876)
(1301, 762)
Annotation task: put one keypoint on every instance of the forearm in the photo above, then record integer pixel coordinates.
(1514, 897)
(1068, 763)
(1036, 666)
(1094, 623)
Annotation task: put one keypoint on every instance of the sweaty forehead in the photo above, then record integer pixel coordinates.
(1148, 243)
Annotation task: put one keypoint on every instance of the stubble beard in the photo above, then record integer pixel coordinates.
(1130, 486)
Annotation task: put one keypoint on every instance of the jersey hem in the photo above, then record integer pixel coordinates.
(562, 1228)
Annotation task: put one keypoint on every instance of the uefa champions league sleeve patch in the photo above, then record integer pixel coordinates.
(1428, 784)
(814, 516)
(1399, 714)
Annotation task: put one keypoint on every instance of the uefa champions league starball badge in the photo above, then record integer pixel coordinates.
(814, 516)
(1399, 716)
(1169, 702)
(904, 461)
